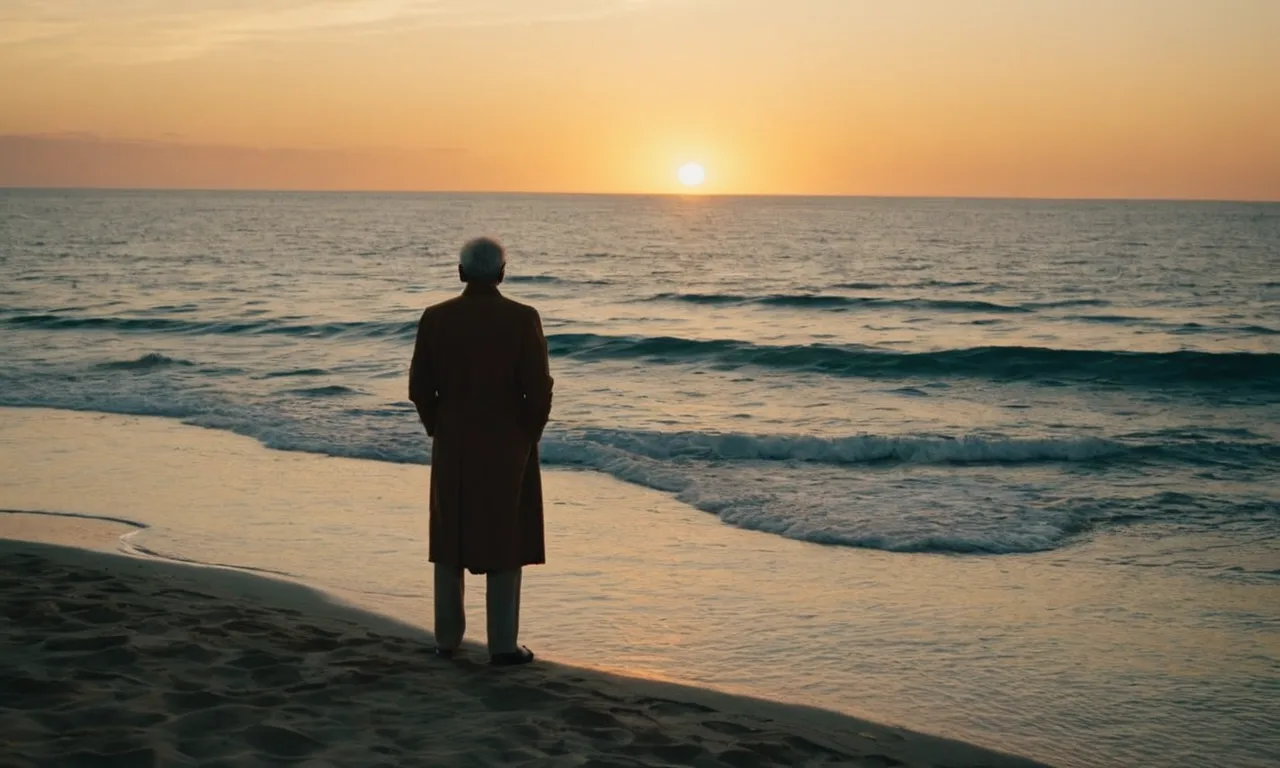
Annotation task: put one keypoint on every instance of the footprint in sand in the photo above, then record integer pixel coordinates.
(184, 593)
(588, 718)
(100, 717)
(90, 643)
(109, 660)
(99, 614)
(731, 729)
(276, 676)
(185, 650)
(259, 659)
(515, 698)
(250, 627)
(196, 700)
(675, 708)
(879, 761)
(129, 758)
(314, 645)
(216, 719)
(680, 754)
(281, 742)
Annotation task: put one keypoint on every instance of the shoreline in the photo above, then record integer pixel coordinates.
(1052, 656)
(325, 663)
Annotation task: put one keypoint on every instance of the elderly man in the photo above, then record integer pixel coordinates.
(481, 382)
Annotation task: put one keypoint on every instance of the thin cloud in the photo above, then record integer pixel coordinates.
(88, 160)
(140, 31)
(179, 141)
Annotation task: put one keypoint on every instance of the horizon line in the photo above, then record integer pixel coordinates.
(695, 195)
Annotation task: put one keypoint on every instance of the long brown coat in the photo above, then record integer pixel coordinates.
(481, 382)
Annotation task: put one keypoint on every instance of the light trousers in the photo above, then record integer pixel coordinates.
(502, 606)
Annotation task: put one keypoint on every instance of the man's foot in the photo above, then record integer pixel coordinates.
(522, 656)
(445, 653)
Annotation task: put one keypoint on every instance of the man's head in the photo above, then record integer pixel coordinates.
(482, 262)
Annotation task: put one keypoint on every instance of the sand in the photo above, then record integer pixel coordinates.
(120, 661)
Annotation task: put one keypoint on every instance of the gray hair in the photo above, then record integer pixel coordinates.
(482, 259)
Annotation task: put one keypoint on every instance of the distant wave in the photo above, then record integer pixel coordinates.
(552, 280)
(333, 390)
(837, 303)
(1225, 369)
(144, 363)
(1185, 328)
(356, 328)
(574, 447)
(1108, 319)
(532, 279)
(295, 372)
(917, 284)
(1033, 305)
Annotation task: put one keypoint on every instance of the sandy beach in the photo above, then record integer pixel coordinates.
(128, 662)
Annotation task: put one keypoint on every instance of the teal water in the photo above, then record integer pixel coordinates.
(966, 379)
(1032, 371)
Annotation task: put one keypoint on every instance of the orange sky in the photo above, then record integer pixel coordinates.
(1037, 98)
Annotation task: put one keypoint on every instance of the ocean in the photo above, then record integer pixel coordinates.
(965, 379)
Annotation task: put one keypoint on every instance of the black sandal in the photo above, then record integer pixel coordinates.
(522, 656)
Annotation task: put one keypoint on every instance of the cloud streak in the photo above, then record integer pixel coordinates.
(86, 160)
(143, 31)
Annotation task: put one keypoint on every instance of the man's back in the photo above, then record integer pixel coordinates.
(483, 355)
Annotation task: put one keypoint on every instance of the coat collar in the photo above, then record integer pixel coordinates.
(478, 289)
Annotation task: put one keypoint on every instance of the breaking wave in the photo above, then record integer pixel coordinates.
(146, 362)
(1168, 369)
(999, 363)
(835, 303)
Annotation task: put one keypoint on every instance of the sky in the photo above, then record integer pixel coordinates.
(985, 98)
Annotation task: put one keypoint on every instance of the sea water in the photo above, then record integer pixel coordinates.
(929, 378)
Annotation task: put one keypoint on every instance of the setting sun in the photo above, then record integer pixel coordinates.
(692, 174)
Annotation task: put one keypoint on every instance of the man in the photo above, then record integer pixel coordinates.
(481, 382)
